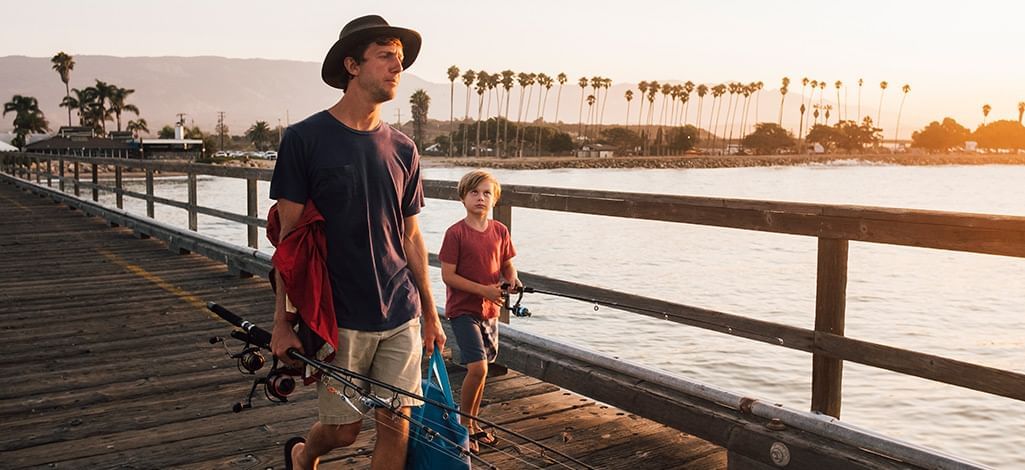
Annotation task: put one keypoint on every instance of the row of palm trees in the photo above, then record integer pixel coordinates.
(672, 110)
(496, 88)
(95, 105)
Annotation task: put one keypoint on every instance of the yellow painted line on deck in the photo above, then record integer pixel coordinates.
(17, 203)
(159, 281)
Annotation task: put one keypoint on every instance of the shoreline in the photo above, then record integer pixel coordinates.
(721, 161)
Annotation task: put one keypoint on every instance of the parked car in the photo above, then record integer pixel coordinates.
(270, 155)
(220, 154)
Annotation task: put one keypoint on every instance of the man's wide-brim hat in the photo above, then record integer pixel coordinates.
(358, 31)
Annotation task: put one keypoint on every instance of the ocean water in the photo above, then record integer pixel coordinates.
(964, 306)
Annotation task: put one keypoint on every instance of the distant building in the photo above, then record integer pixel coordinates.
(82, 142)
(178, 148)
(596, 151)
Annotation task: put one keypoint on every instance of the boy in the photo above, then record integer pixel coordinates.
(475, 256)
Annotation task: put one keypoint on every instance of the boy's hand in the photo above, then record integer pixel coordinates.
(517, 285)
(492, 293)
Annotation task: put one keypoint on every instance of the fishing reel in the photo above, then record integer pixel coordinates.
(514, 308)
(279, 382)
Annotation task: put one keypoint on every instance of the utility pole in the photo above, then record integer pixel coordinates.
(398, 118)
(220, 128)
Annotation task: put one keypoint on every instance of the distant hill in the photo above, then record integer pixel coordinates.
(248, 90)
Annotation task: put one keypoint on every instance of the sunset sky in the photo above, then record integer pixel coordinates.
(955, 55)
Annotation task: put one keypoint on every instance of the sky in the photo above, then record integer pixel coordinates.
(956, 55)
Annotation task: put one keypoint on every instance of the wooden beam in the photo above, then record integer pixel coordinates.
(830, 308)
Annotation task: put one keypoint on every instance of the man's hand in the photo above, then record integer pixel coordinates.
(433, 334)
(282, 339)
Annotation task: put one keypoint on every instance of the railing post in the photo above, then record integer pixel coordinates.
(36, 168)
(60, 170)
(76, 165)
(96, 181)
(49, 173)
(830, 309)
(118, 189)
(149, 193)
(193, 220)
(503, 214)
(252, 209)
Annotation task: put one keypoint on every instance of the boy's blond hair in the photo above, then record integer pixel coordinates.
(476, 177)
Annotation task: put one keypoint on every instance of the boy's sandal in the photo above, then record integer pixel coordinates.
(484, 437)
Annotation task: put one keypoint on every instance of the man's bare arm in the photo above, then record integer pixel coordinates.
(416, 257)
(283, 337)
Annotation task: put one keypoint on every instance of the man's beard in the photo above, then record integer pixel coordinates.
(381, 94)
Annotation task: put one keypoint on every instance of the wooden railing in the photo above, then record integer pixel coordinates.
(833, 225)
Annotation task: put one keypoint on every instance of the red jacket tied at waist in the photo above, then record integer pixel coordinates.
(301, 260)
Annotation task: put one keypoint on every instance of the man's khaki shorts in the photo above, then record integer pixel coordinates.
(391, 356)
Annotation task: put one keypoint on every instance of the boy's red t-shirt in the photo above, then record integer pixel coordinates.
(479, 257)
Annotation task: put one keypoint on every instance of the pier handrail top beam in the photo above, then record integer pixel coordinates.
(958, 231)
(821, 425)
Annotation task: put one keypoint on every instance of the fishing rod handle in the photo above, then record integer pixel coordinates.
(259, 336)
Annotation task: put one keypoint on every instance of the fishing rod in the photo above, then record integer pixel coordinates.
(254, 336)
(516, 307)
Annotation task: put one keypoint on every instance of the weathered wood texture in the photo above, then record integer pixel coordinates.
(830, 307)
(103, 339)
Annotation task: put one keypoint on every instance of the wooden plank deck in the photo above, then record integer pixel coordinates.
(104, 346)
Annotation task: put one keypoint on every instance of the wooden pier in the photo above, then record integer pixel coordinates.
(105, 336)
(104, 343)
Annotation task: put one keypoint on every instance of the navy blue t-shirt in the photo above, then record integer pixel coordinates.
(365, 184)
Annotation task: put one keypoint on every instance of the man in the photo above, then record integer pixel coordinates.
(364, 177)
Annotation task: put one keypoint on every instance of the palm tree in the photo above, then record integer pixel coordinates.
(985, 112)
(1021, 110)
(583, 86)
(653, 88)
(629, 95)
(483, 79)
(906, 88)
(811, 99)
(259, 134)
(137, 126)
(804, 84)
(860, 83)
(468, 78)
(101, 113)
(782, 98)
(606, 83)
(64, 64)
(590, 109)
(531, 80)
(27, 118)
(546, 82)
(702, 91)
(117, 99)
(800, 127)
(882, 89)
(838, 84)
(507, 84)
(453, 74)
(688, 88)
(717, 92)
(643, 88)
(822, 89)
(595, 90)
(420, 102)
(561, 77)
